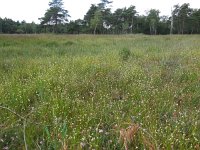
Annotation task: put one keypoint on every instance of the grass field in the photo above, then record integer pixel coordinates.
(99, 92)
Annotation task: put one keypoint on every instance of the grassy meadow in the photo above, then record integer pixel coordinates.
(105, 92)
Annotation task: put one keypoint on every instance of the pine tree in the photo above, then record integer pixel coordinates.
(55, 15)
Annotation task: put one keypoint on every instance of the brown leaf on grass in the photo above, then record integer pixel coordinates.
(128, 135)
(148, 144)
(64, 146)
(197, 147)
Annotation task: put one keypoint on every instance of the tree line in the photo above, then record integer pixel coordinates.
(100, 20)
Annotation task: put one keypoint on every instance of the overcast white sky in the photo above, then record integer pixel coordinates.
(31, 10)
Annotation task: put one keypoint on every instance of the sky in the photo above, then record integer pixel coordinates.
(31, 10)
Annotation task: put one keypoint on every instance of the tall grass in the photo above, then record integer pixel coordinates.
(99, 92)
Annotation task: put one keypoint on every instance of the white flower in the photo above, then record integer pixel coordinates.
(100, 131)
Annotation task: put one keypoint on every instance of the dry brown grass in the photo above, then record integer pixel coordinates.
(128, 135)
(134, 132)
(197, 147)
(149, 145)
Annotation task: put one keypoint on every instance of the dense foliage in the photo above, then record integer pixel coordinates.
(100, 20)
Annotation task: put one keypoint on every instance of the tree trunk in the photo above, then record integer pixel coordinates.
(132, 26)
(192, 31)
(150, 29)
(0, 27)
(182, 28)
(95, 29)
(56, 19)
(172, 24)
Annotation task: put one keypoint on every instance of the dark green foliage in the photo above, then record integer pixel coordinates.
(99, 19)
(55, 15)
(153, 20)
(68, 43)
(125, 54)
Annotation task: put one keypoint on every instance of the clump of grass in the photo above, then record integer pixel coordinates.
(52, 44)
(68, 43)
(125, 54)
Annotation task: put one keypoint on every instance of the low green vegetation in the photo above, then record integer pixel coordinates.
(99, 92)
